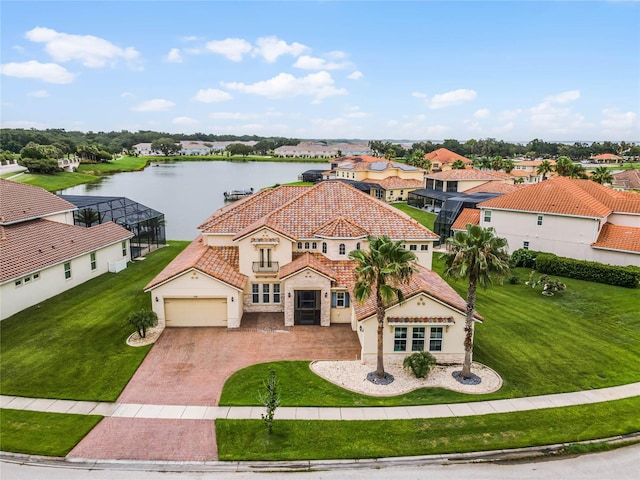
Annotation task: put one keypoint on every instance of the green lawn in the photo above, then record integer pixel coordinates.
(39, 433)
(425, 218)
(122, 164)
(72, 346)
(57, 181)
(585, 337)
(305, 440)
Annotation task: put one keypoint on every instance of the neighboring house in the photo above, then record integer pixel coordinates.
(627, 180)
(468, 216)
(285, 251)
(190, 147)
(579, 219)
(442, 159)
(391, 181)
(321, 150)
(43, 253)
(607, 158)
(528, 170)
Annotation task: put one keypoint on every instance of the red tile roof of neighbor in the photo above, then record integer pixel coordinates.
(566, 196)
(301, 212)
(607, 156)
(339, 227)
(467, 215)
(618, 237)
(495, 186)
(221, 263)
(396, 182)
(19, 202)
(627, 179)
(357, 158)
(443, 155)
(393, 320)
(37, 244)
(469, 174)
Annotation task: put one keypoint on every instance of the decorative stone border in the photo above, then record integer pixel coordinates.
(134, 340)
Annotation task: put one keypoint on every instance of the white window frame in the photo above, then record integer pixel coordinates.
(487, 216)
(67, 270)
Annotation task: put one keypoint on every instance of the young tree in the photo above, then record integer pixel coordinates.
(476, 255)
(270, 398)
(379, 272)
(141, 320)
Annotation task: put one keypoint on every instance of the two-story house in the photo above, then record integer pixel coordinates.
(442, 159)
(286, 251)
(42, 253)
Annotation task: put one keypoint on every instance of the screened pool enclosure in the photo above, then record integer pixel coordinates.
(146, 224)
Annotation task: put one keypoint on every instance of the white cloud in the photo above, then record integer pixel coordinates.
(212, 95)
(507, 115)
(174, 56)
(454, 97)
(38, 94)
(619, 124)
(127, 95)
(418, 94)
(89, 50)
(317, 85)
(23, 124)
(243, 115)
(47, 72)
(336, 55)
(353, 111)
(155, 105)
(482, 113)
(185, 121)
(18, 48)
(564, 97)
(232, 48)
(355, 75)
(436, 131)
(190, 38)
(270, 48)
(501, 129)
(306, 62)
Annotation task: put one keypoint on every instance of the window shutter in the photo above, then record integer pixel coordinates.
(334, 300)
(346, 300)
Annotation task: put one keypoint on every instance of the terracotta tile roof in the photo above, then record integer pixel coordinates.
(443, 156)
(423, 281)
(340, 227)
(566, 196)
(397, 182)
(357, 158)
(307, 259)
(20, 202)
(627, 179)
(607, 156)
(467, 215)
(469, 174)
(495, 186)
(219, 262)
(321, 204)
(618, 237)
(36, 244)
(393, 320)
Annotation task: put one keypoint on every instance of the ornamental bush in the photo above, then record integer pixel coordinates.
(420, 363)
(591, 271)
(523, 258)
(141, 320)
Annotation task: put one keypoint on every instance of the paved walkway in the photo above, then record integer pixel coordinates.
(199, 412)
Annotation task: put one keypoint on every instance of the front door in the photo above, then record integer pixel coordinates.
(307, 308)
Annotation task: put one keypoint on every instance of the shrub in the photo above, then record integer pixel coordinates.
(40, 165)
(270, 398)
(420, 363)
(523, 258)
(549, 285)
(591, 271)
(141, 320)
(514, 280)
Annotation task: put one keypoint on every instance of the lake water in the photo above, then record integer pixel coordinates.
(189, 192)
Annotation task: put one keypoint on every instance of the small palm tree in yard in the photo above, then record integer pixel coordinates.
(141, 320)
(602, 175)
(379, 272)
(476, 254)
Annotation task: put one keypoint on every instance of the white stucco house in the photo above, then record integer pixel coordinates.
(42, 253)
(578, 219)
(285, 250)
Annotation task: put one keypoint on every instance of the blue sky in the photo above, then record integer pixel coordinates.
(420, 70)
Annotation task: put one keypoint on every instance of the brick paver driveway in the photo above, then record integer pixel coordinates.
(188, 366)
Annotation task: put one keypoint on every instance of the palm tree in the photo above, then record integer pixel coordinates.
(476, 255)
(87, 217)
(544, 168)
(576, 171)
(458, 165)
(602, 175)
(508, 165)
(563, 166)
(379, 272)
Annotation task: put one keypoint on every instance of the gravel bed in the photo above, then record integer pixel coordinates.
(352, 375)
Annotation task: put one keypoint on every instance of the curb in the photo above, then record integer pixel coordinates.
(523, 454)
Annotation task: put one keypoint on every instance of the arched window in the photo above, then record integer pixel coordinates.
(358, 246)
(324, 247)
(306, 245)
(314, 245)
(342, 250)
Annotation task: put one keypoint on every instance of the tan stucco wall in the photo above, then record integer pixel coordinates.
(307, 280)
(464, 185)
(615, 258)
(52, 282)
(194, 284)
(218, 240)
(623, 219)
(419, 306)
(66, 217)
(342, 315)
(249, 253)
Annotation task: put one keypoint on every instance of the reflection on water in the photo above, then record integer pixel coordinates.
(189, 192)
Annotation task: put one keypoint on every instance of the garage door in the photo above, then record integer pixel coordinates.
(195, 312)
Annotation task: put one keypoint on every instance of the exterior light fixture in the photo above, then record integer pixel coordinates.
(289, 294)
(157, 299)
(232, 300)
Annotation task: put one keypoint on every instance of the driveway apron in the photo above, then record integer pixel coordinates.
(188, 366)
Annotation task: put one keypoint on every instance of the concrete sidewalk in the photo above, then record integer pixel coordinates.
(190, 412)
